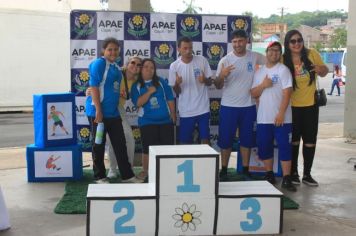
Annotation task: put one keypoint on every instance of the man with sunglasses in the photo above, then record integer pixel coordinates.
(189, 76)
(272, 86)
(238, 110)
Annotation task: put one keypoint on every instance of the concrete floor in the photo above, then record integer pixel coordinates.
(329, 209)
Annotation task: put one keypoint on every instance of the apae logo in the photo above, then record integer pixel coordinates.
(108, 25)
(160, 26)
(163, 54)
(137, 25)
(137, 52)
(84, 138)
(214, 53)
(214, 106)
(81, 81)
(83, 25)
(239, 24)
(89, 52)
(190, 26)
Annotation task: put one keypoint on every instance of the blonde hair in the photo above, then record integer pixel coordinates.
(132, 58)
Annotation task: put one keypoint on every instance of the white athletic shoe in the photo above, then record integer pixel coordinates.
(102, 181)
(132, 180)
(112, 173)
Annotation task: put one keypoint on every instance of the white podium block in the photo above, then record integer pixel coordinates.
(186, 216)
(252, 207)
(121, 209)
(184, 170)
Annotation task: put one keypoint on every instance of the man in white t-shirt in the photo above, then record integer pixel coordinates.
(238, 109)
(189, 76)
(272, 86)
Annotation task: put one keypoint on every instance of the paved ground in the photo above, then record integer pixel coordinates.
(329, 209)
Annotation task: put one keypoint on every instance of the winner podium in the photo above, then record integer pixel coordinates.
(184, 197)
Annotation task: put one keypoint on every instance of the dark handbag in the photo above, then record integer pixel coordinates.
(320, 97)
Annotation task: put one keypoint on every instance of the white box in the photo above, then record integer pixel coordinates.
(121, 209)
(251, 207)
(184, 170)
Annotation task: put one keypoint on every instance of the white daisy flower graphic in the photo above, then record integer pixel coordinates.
(187, 217)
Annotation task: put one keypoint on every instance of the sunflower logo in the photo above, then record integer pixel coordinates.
(84, 19)
(83, 136)
(240, 23)
(190, 26)
(137, 20)
(81, 81)
(187, 217)
(189, 21)
(163, 48)
(215, 50)
(163, 54)
(214, 53)
(83, 25)
(84, 76)
(84, 132)
(214, 105)
(136, 133)
(137, 25)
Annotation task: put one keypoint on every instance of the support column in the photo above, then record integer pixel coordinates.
(350, 88)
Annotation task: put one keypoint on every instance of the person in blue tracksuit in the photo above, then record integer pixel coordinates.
(101, 106)
(154, 98)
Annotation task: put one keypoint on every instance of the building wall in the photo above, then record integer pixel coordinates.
(311, 36)
(35, 55)
(35, 46)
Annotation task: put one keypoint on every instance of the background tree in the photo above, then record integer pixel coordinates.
(255, 22)
(339, 38)
(191, 8)
(312, 19)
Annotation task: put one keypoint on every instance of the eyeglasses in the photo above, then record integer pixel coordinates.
(138, 64)
(294, 41)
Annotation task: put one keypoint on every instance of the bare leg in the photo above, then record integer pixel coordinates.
(286, 167)
(268, 163)
(145, 162)
(225, 156)
(245, 153)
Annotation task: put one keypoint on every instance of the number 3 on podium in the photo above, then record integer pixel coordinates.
(188, 186)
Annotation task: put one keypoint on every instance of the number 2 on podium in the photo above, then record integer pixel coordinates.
(188, 186)
(130, 211)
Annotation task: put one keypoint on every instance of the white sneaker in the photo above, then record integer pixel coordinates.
(132, 180)
(142, 175)
(112, 173)
(102, 181)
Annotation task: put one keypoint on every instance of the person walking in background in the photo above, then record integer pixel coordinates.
(337, 79)
(189, 76)
(238, 109)
(305, 65)
(101, 107)
(272, 86)
(156, 116)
